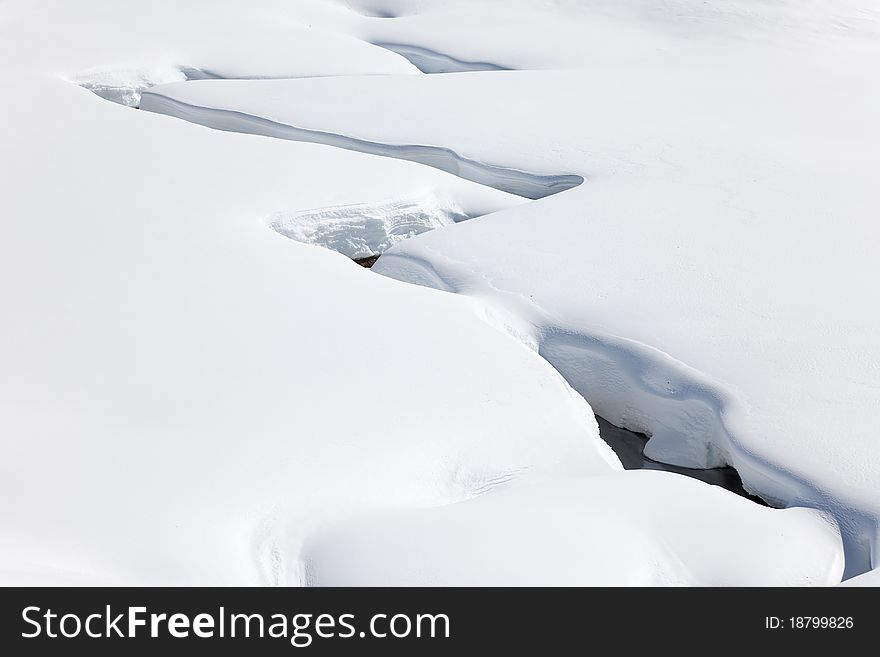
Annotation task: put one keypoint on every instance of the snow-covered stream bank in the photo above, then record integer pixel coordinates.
(363, 232)
(186, 325)
(522, 183)
(629, 447)
(684, 448)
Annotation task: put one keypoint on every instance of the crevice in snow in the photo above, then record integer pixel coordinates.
(690, 422)
(132, 87)
(125, 86)
(371, 9)
(367, 262)
(379, 13)
(514, 181)
(364, 231)
(431, 61)
(680, 412)
(629, 446)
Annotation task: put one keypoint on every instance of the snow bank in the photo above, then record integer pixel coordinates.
(224, 397)
(698, 256)
(184, 394)
(639, 528)
(125, 86)
(364, 230)
(193, 103)
(431, 61)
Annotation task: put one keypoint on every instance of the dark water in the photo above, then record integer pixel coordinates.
(367, 262)
(630, 449)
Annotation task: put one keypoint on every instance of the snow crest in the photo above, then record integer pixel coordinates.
(365, 230)
(431, 61)
(162, 100)
(126, 85)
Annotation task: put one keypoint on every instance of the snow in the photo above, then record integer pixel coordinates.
(579, 532)
(190, 398)
(870, 578)
(430, 61)
(125, 86)
(188, 103)
(362, 231)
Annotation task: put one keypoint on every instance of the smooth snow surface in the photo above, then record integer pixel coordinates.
(580, 532)
(186, 397)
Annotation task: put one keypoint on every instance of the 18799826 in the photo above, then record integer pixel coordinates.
(809, 623)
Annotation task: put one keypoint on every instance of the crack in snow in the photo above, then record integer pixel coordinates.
(633, 385)
(431, 61)
(514, 181)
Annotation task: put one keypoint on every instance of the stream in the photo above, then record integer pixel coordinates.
(630, 449)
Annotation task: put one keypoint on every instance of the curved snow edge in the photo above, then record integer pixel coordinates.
(126, 86)
(692, 419)
(521, 183)
(431, 61)
(365, 230)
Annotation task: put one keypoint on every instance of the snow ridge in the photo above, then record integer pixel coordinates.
(125, 86)
(364, 230)
(431, 61)
(514, 181)
(692, 420)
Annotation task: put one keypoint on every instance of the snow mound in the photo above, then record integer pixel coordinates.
(364, 230)
(642, 390)
(161, 332)
(636, 528)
